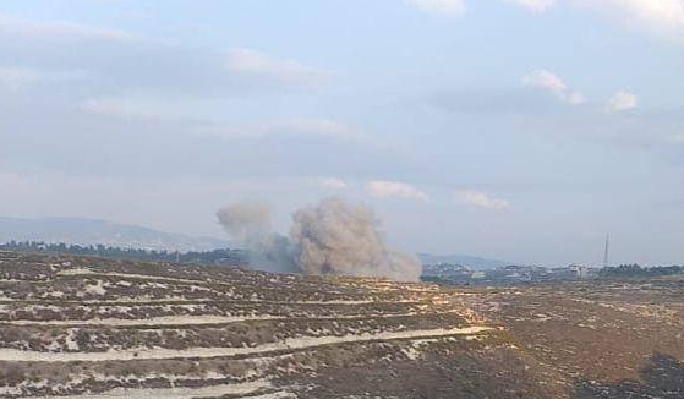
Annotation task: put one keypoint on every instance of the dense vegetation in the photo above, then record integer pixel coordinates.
(227, 257)
(634, 270)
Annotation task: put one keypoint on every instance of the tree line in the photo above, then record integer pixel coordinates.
(224, 257)
(635, 270)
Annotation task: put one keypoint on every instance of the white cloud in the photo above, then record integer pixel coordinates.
(574, 98)
(384, 189)
(661, 16)
(158, 110)
(162, 111)
(443, 7)
(534, 5)
(52, 30)
(622, 101)
(333, 183)
(657, 15)
(480, 200)
(283, 71)
(544, 79)
(664, 16)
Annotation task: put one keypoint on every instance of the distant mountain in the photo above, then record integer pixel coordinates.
(471, 262)
(94, 232)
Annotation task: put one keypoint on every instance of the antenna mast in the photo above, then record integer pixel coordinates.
(605, 254)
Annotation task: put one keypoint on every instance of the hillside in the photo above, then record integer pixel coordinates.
(87, 328)
(94, 232)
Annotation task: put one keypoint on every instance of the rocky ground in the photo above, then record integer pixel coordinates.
(88, 328)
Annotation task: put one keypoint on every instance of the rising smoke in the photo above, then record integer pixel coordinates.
(246, 221)
(332, 237)
(249, 224)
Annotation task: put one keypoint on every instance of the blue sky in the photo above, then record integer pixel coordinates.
(518, 129)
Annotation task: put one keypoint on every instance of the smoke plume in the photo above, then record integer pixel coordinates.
(332, 237)
(249, 224)
(246, 221)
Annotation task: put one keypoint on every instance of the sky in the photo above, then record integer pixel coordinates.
(523, 130)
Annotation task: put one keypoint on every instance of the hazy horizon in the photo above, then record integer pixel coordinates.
(522, 130)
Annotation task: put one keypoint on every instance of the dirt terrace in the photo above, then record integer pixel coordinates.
(90, 328)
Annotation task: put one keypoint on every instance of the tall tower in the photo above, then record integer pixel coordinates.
(605, 254)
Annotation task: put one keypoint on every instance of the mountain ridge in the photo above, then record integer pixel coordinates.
(85, 231)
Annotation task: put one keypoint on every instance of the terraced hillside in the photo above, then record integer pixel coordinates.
(87, 328)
